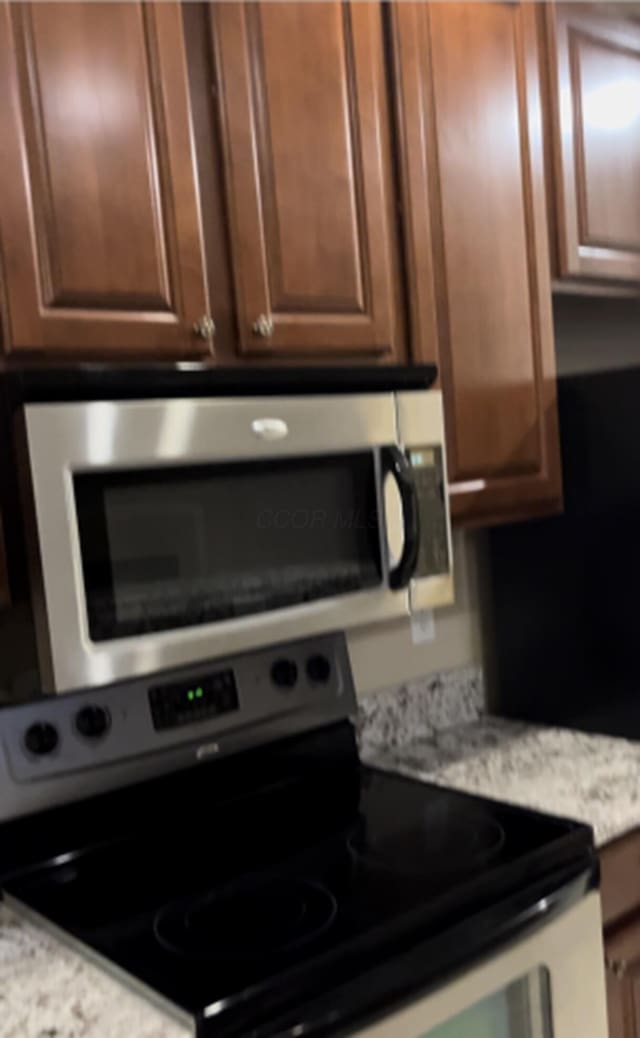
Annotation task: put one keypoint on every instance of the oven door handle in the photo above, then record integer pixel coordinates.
(395, 463)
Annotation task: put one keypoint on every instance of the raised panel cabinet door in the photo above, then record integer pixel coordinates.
(99, 214)
(622, 961)
(477, 247)
(304, 119)
(594, 61)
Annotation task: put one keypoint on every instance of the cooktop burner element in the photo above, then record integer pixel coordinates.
(247, 921)
(443, 843)
(247, 891)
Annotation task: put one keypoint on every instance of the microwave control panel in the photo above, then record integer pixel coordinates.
(427, 464)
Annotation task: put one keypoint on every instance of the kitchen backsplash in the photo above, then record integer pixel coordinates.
(416, 710)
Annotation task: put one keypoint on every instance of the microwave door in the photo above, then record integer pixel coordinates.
(189, 545)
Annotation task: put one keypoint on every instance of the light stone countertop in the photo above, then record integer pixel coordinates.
(49, 991)
(433, 730)
(437, 729)
(590, 778)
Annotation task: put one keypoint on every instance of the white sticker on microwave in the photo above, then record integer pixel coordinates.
(423, 626)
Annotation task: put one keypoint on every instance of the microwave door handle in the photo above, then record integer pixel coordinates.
(395, 463)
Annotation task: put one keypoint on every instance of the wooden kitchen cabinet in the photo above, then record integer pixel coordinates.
(99, 214)
(594, 66)
(368, 179)
(622, 960)
(620, 878)
(620, 895)
(304, 118)
(472, 176)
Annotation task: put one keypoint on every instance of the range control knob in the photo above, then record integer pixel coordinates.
(284, 673)
(92, 722)
(41, 738)
(318, 669)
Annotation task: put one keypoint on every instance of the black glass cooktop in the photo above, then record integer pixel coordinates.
(243, 892)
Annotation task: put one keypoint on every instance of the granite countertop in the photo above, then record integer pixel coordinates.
(435, 730)
(49, 991)
(590, 778)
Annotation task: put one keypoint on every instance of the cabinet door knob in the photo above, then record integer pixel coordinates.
(263, 326)
(205, 328)
(618, 967)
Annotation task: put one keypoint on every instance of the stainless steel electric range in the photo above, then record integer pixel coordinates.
(291, 890)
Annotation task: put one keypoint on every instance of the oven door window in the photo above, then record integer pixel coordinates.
(175, 547)
(521, 1010)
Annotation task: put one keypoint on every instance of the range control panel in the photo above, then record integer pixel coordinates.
(150, 725)
(194, 699)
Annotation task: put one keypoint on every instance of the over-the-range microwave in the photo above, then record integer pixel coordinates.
(182, 515)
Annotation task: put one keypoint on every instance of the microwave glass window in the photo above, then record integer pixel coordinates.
(167, 548)
(520, 1010)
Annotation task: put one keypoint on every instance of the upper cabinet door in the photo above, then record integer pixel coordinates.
(305, 133)
(477, 247)
(595, 96)
(99, 214)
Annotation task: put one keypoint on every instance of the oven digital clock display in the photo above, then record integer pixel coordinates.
(198, 699)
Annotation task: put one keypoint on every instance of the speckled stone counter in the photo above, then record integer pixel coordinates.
(48, 991)
(590, 778)
(435, 730)
(402, 716)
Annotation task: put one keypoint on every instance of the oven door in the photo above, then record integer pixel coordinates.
(177, 530)
(548, 985)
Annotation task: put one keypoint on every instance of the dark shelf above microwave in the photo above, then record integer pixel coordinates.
(107, 382)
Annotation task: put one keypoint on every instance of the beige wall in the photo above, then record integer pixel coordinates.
(384, 656)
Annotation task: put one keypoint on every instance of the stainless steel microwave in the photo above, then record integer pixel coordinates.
(230, 515)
